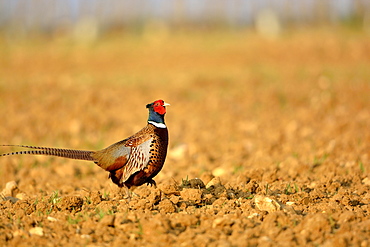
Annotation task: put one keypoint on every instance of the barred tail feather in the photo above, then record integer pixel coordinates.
(58, 152)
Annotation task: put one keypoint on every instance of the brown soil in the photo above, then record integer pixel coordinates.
(269, 139)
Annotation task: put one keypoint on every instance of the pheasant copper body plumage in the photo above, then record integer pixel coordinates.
(131, 162)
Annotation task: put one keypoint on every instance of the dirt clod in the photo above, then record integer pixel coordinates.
(192, 195)
(166, 206)
(70, 203)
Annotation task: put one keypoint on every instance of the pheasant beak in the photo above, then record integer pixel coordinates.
(165, 104)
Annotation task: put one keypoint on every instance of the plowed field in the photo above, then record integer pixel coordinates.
(269, 139)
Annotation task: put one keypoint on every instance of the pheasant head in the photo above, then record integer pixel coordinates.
(157, 110)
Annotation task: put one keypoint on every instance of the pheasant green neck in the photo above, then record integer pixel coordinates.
(156, 119)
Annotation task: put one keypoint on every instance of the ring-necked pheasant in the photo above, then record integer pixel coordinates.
(131, 162)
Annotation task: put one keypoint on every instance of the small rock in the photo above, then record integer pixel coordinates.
(253, 215)
(366, 181)
(230, 195)
(216, 181)
(219, 171)
(9, 189)
(12, 185)
(52, 219)
(36, 231)
(265, 203)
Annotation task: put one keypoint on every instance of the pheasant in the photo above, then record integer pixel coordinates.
(131, 162)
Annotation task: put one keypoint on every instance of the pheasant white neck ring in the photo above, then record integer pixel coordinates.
(158, 125)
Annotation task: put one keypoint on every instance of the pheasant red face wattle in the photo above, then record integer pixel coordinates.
(159, 106)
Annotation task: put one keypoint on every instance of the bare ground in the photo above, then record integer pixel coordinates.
(269, 139)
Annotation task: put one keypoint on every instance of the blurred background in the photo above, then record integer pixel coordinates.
(94, 18)
(253, 84)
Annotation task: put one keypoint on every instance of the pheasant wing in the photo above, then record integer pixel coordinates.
(137, 161)
(113, 157)
(126, 154)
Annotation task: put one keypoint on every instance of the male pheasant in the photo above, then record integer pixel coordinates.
(131, 162)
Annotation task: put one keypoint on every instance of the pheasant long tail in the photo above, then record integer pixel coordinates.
(59, 152)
